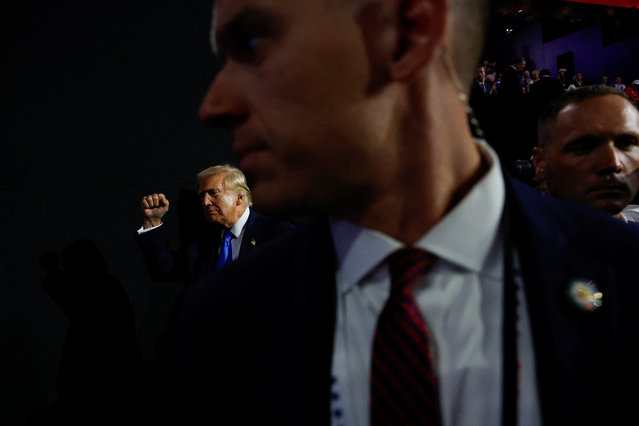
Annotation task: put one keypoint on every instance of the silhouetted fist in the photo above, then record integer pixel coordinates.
(153, 206)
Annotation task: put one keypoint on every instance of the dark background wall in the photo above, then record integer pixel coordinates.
(99, 106)
(596, 39)
(590, 56)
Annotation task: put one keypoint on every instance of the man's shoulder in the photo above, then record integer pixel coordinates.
(549, 220)
(263, 222)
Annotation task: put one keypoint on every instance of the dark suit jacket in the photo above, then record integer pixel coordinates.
(478, 96)
(192, 262)
(510, 85)
(254, 346)
(476, 89)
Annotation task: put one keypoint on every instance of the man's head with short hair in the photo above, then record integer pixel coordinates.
(480, 74)
(331, 120)
(224, 194)
(519, 63)
(588, 148)
(234, 179)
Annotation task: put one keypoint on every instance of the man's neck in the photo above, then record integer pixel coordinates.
(439, 164)
(620, 217)
(240, 221)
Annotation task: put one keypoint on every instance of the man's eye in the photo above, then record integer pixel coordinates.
(246, 48)
(582, 146)
(627, 142)
(244, 38)
(581, 149)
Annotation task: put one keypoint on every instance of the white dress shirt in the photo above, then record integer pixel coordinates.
(460, 298)
(238, 233)
(630, 213)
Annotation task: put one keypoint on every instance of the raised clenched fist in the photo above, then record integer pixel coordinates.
(153, 206)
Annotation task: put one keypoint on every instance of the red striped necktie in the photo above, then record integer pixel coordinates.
(404, 388)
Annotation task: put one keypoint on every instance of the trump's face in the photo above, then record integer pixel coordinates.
(300, 92)
(218, 203)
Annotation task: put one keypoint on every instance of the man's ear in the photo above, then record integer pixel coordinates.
(539, 161)
(240, 198)
(420, 30)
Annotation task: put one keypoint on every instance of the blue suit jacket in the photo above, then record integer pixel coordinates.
(192, 262)
(254, 346)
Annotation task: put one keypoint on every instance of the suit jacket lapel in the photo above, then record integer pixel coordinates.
(249, 239)
(568, 342)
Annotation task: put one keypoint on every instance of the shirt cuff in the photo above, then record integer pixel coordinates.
(142, 230)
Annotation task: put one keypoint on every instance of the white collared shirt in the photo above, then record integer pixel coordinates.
(238, 233)
(630, 213)
(461, 300)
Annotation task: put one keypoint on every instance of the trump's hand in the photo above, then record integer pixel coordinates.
(153, 206)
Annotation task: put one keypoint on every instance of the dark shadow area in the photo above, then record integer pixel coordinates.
(99, 379)
(191, 222)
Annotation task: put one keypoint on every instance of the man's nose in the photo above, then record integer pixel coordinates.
(224, 102)
(206, 200)
(610, 159)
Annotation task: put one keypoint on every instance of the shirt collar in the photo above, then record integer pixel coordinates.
(359, 250)
(463, 237)
(236, 229)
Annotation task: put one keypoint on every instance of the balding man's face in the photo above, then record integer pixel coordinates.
(301, 90)
(592, 153)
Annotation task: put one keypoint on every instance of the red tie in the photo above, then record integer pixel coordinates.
(404, 387)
